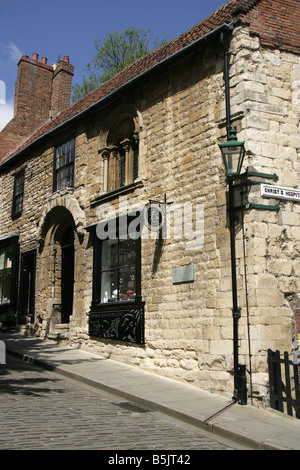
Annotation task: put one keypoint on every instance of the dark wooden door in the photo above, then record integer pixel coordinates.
(67, 275)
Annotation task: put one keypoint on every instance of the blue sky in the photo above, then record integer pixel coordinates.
(57, 28)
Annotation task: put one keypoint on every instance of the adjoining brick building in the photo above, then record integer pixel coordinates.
(83, 186)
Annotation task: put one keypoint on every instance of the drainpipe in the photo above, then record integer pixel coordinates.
(240, 390)
(227, 92)
(226, 79)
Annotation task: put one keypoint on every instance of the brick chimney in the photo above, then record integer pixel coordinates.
(41, 91)
(33, 91)
(61, 85)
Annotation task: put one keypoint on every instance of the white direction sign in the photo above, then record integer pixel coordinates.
(279, 192)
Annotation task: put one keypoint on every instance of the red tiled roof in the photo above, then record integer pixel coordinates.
(275, 21)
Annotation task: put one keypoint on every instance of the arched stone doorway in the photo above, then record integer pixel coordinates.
(57, 267)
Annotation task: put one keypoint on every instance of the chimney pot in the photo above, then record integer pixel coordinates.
(35, 56)
(66, 59)
(44, 60)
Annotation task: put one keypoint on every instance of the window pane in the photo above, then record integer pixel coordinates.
(5, 274)
(109, 255)
(65, 177)
(19, 184)
(127, 283)
(135, 162)
(118, 270)
(2, 259)
(127, 252)
(122, 168)
(109, 286)
(60, 177)
(64, 165)
(18, 203)
(18, 194)
(6, 287)
(59, 157)
(8, 263)
(109, 268)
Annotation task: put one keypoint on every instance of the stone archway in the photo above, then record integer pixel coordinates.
(59, 241)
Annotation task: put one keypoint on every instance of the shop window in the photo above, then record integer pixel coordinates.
(18, 195)
(9, 266)
(117, 265)
(118, 276)
(64, 161)
(6, 261)
(117, 310)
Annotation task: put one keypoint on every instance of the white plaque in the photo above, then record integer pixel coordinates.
(279, 192)
(183, 274)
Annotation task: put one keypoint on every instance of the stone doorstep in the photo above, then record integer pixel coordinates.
(61, 332)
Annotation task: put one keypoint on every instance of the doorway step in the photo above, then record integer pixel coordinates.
(26, 330)
(60, 335)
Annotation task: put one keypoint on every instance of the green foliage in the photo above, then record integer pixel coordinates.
(114, 53)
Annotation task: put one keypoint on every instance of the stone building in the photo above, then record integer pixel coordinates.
(114, 229)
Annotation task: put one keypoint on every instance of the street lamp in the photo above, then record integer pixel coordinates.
(233, 153)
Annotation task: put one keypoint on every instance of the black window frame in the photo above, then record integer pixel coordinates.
(121, 320)
(98, 263)
(114, 274)
(18, 194)
(67, 165)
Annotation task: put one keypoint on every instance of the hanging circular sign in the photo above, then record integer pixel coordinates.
(154, 217)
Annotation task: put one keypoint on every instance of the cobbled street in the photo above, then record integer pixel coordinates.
(42, 410)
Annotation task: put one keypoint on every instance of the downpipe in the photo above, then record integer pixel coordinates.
(240, 383)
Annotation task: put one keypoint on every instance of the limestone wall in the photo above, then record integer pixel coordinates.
(188, 325)
(266, 91)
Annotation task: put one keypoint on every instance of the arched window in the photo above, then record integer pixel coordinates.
(120, 155)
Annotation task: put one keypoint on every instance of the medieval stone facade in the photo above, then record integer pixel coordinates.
(162, 299)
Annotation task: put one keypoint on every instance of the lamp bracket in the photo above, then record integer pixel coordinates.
(156, 215)
(245, 181)
(159, 203)
(236, 313)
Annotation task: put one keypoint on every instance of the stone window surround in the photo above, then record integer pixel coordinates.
(111, 156)
(121, 131)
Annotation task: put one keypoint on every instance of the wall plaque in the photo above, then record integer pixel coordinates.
(183, 274)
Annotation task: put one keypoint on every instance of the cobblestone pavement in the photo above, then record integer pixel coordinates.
(42, 410)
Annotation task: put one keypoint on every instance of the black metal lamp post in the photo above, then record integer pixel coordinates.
(233, 153)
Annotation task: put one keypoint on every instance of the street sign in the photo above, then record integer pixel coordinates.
(279, 192)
